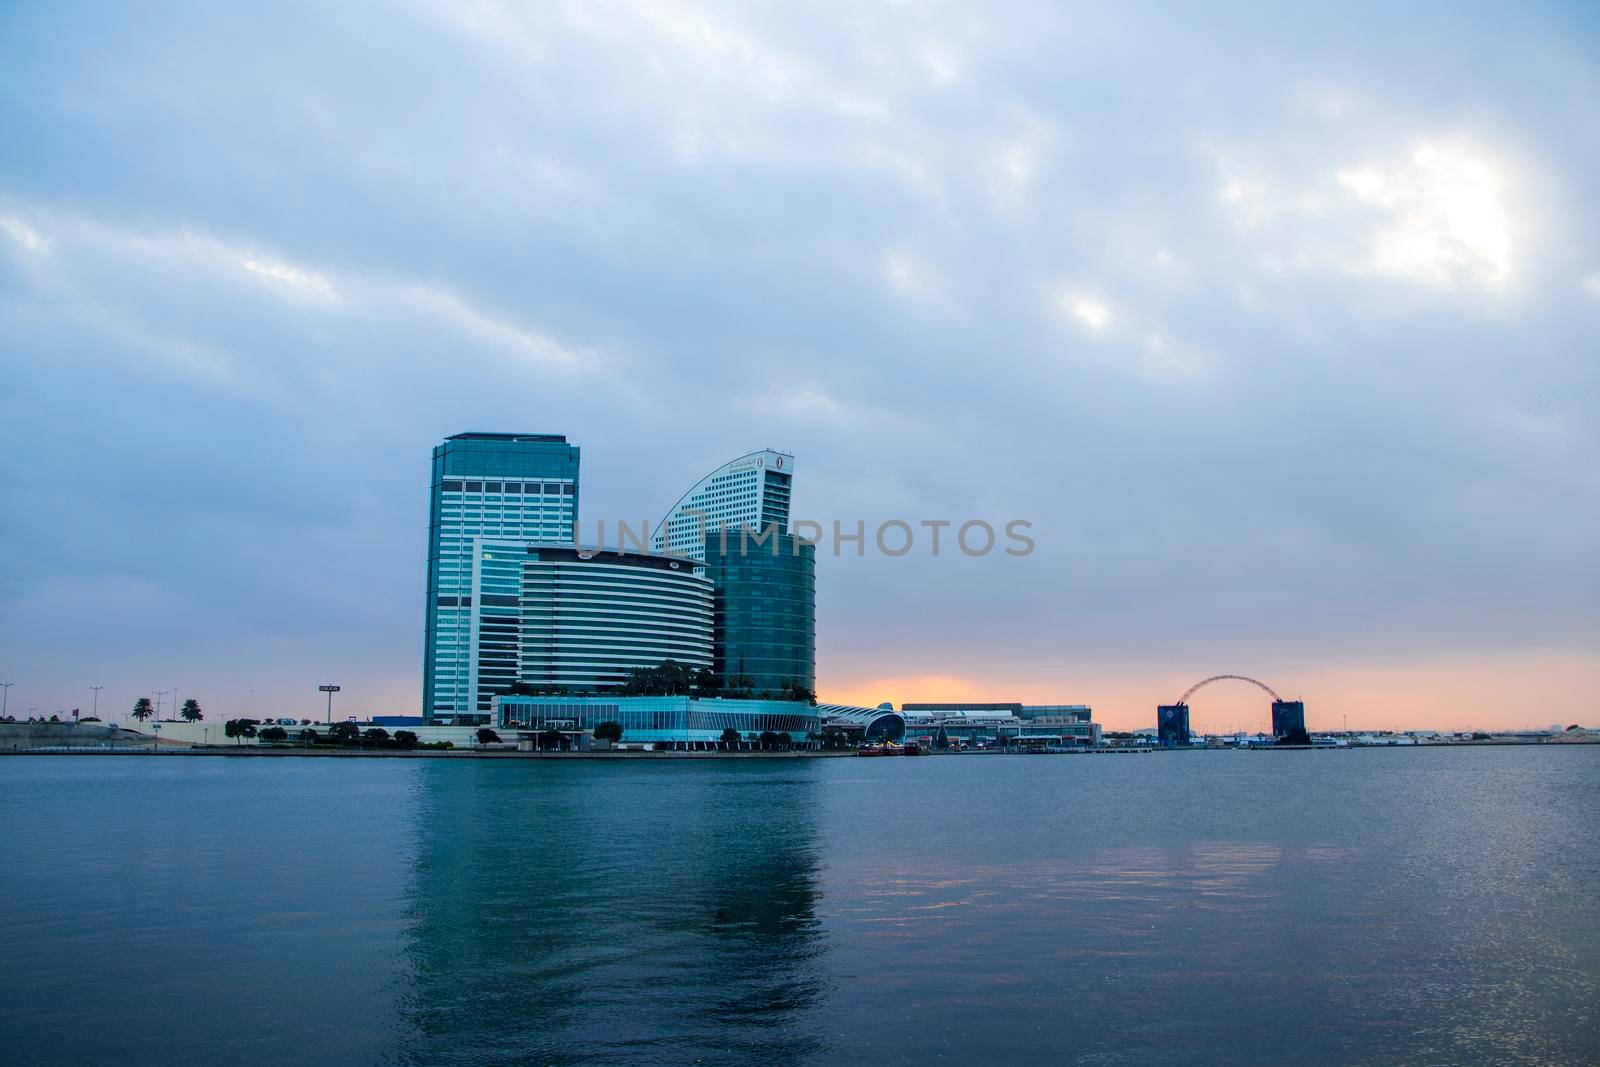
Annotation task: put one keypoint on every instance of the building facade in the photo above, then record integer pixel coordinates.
(1041, 724)
(752, 491)
(765, 609)
(560, 616)
(1287, 717)
(494, 485)
(881, 723)
(1172, 724)
(680, 722)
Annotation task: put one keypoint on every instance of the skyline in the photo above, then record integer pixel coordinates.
(1279, 333)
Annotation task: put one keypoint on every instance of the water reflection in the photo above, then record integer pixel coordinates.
(571, 913)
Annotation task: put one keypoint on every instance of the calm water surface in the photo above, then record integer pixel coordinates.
(1423, 906)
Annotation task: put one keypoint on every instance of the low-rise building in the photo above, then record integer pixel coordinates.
(1045, 725)
(684, 723)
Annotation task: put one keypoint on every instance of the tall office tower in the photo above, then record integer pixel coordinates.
(520, 486)
(765, 611)
(750, 491)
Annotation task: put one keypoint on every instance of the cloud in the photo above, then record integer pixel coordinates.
(1442, 215)
(1091, 312)
(22, 233)
(305, 281)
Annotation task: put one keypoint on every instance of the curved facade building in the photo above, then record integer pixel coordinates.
(557, 615)
(864, 724)
(752, 491)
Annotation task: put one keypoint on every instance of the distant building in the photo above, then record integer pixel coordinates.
(504, 485)
(765, 610)
(1287, 717)
(678, 722)
(752, 491)
(559, 616)
(881, 723)
(1039, 724)
(1172, 724)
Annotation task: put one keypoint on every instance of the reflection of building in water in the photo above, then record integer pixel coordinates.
(587, 911)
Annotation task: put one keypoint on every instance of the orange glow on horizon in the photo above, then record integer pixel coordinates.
(1511, 691)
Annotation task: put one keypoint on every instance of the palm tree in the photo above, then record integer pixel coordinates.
(142, 709)
(191, 711)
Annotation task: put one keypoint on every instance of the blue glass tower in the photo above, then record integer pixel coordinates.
(510, 486)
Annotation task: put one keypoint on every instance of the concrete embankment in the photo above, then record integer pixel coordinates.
(89, 736)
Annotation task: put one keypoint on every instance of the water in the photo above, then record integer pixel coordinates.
(1402, 906)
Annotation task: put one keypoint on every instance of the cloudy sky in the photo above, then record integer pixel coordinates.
(1280, 330)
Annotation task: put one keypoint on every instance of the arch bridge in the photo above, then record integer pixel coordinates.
(1172, 720)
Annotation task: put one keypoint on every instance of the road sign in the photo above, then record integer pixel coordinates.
(327, 689)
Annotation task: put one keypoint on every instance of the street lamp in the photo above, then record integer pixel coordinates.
(95, 711)
(174, 702)
(5, 697)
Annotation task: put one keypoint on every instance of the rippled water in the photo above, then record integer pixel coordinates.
(1420, 906)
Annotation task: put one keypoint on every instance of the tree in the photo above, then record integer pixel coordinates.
(730, 736)
(274, 733)
(608, 731)
(671, 678)
(707, 683)
(784, 739)
(191, 711)
(377, 735)
(309, 736)
(767, 738)
(238, 729)
(487, 736)
(343, 733)
(405, 739)
(835, 738)
(142, 709)
(552, 739)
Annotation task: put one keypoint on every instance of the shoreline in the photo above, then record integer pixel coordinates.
(260, 752)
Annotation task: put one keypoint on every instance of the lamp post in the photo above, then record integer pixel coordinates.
(5, 697)
(95, 711)
(174, 702)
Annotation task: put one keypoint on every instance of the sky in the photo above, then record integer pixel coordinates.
(1278, 325)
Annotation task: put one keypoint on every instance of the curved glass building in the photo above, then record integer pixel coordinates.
(752, 490)
(577, 618)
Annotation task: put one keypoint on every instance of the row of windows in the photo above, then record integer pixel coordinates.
(553, 488)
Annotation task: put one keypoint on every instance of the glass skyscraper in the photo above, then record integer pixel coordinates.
(484, 485)
(765, 610)
(751, 491)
